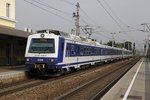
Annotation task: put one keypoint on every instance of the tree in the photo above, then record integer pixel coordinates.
(118, 45)
(109, 43)
(128, 45)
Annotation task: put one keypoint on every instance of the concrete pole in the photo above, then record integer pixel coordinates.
(77, 21)
(78, 17)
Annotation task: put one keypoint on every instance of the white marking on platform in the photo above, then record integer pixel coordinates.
(131, 84)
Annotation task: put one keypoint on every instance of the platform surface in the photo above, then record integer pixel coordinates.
(134, 85)
(12, 74)
(12, 68)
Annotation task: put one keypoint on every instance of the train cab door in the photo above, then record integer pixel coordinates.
(61, 50)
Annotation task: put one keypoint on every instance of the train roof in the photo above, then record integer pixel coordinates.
(56, 32)
(77, 38)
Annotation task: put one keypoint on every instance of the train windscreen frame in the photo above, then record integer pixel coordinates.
(42, 45)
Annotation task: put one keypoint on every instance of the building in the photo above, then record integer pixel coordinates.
(7, 13)
(12, 41)
(12, 46)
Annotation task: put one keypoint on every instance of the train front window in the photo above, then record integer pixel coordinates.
(42, 46)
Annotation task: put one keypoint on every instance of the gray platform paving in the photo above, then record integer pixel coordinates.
(12, 74)
(134, 85)
(147, 79)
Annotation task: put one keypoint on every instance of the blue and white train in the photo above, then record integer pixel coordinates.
(51, 51)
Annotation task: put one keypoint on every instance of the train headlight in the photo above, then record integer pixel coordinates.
(52, 60)
(28, 59)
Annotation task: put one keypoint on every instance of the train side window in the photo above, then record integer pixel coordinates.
(72, 50)
(93, 51)
(106, 52)
(90, 50)
(109, 51)
(97, 51)
(67, 51)
(101, 51)
(81, 50)
(77, 50)
(84, 52)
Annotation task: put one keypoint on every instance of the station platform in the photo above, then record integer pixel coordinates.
(12, 74)
(134, 85)
(12, 68)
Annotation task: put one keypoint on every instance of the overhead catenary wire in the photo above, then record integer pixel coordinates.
(89, 17)
(84, 21)
(83, 11)
(110, 14)
(49, 6)
(96, 24)
(123, 23)
(98, 32)
(68, 2)
(52, 12)
(118, 24)
(68, 20)
(113, 17)
(115, 14)
(45, 4)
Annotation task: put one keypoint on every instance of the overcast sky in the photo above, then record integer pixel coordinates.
(119, 15)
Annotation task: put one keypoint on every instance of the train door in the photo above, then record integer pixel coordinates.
(61, 50)
(72, 51)
(67, 60)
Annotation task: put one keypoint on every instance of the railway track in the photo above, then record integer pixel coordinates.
(95, 89)
(8, 89)
(54, 87)
(18, 86)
